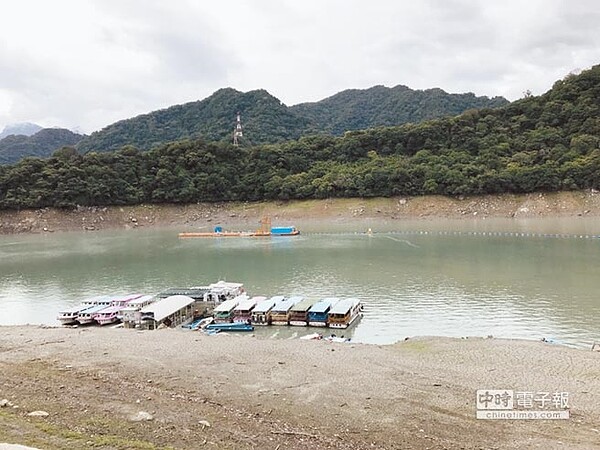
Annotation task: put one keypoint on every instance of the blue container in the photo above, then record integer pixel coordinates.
(282, 230)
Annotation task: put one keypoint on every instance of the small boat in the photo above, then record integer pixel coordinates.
(280, 314)
(344, 313)
(319, 312)
(238, 326)
(87, 315)
(69, 316)
(243, 311)
(223, 313)
(111, 314)
(261, 314)
(299, 312)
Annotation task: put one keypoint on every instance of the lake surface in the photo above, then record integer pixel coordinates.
(506, 278)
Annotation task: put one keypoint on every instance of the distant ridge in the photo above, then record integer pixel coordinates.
(41, 144)
(267, 120)
(25, 129)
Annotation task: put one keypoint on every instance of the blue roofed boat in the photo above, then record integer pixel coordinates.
(236, 326)
(319, 312)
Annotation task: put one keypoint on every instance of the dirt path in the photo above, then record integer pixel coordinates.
(241, 392)
(205, 216)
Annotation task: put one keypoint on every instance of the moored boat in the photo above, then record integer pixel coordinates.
(319, 312)
(299, 312)
(243, 311)
(68, 316)
(280, 314)
(87, 315)
(344, 313)
(223, 313)
(223, 290)
(130, 315)
(111, 313)
(261, 314)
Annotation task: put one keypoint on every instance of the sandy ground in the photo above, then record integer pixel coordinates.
(242, 392)
(205, 216)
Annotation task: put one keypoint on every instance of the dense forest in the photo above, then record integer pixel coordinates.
(545, 143)
(267, 120)
(42, 143)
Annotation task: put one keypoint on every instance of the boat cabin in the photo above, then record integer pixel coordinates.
(280, 314)
(243, 311)
(131, 315)
(87, 315)
(344, 313)
(261, 314)
(319, 312)
(168, 312)
(223, 290)
(299, 312)
(69, 316)
(223, 313)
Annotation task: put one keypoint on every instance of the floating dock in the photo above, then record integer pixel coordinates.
(265, 230)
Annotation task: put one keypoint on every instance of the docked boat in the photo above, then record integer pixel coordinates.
(265, 230)
(223, 313)
(222, 290)
(319, 312)
(280, 314)
(86, 316)
(69, 316)
(299, 312)
(111, 313)
(238, 326)
(261, 314)
(130, 315)
(344, 313)
(243, 311)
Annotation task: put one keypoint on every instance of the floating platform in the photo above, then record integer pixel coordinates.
(265, 231)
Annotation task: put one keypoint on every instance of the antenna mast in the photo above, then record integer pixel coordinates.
(237, 131)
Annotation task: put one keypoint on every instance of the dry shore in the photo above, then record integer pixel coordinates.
(242, 392)
(381, 210)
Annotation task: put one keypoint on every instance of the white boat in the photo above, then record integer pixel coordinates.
(261, 314)
(223, 290)
(223, 313)
(243, 311)
(280, 314)
(344, 313)
(130, 315)
(69, 316)
(111, 313)
(87, 315)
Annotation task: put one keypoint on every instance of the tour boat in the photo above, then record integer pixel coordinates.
(111, 314)
(344, 313)
(128, 313)
(319, 312)
(299, 312)
(238, 326)
(224, 312)
(261, 314)
(222, 290)
(87, 315)
(280, 314)
(243, 311)
(69, 316)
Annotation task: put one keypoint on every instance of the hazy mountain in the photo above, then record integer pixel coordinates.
(41, 144)
(25, 129)
(267, 120)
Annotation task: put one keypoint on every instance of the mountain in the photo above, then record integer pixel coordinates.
(264, 117)
(41, 144)
(267, 120)
(25, 129)
(356, 109)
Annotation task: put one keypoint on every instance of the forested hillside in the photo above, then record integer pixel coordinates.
(42, 144)
(544, 143)
(382, 106)
(266, 120)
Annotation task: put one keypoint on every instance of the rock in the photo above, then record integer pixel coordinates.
(4, 403)
(204, 423)
(142, 416)
(38, 414)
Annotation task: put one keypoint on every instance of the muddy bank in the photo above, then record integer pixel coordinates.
(207, 215)
(241, 392)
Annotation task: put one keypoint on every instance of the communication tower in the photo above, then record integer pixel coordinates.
(237, 131)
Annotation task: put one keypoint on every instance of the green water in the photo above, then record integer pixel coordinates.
(452, 278)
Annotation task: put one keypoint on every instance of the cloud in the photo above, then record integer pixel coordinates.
(89, 63)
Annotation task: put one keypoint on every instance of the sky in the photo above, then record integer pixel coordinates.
(84, 64)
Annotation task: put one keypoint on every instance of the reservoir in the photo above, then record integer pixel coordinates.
(505, 278)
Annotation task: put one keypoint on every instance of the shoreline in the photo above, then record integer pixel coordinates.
(293, 394)
(389, 211)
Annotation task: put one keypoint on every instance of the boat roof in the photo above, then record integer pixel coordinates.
(246, 304)
(139, 301)
(166, 306)
(125, 298)
(73, 309)
(221, 285)
(343, 306)
(304, 305)
(323, 305)
(93, 309)
(265, 305)
(110, 309)
(227, 305)
(98, 299)
(286, 304)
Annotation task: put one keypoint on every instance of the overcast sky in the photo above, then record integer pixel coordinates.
(88, 63)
